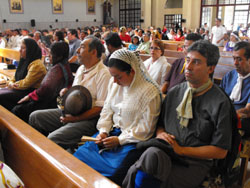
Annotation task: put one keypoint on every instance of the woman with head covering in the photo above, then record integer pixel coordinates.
(157, 65)
(129, 116)
(29, 74)
(234, 38)
(58, 77)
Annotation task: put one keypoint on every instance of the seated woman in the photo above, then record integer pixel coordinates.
(129, 116)
(58, 77)
(135, 43)
(157, 65)
(234, 38)
(29, 74)
(180, 36)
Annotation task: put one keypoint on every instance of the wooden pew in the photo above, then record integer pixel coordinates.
(171, 60)
(220, 71)
(39, 162)
(144, 57)
(10, 54)
(9, 73)
(227, 54)
(226, 60)
(172, 45)
(174, 53)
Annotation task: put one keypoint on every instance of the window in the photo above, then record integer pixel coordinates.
(130, 13)
(170, 19)
(206, 15)
(209, 2)
(233, 13)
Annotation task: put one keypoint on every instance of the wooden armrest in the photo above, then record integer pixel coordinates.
(41, 163)
(10, 54)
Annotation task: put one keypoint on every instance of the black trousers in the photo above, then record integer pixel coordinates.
(10, 97)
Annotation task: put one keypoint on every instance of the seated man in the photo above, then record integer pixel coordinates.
(176, 73)
(144, 47)
(74, 44)
(92, 74)
(195, 124)
(237, 84)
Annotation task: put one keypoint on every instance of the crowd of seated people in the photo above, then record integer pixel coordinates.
(127, 103)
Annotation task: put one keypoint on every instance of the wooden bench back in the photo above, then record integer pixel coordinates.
(41, 163)
(225, 63)
(144, 57)
(227, 54)
(10, 54)
(174, 53)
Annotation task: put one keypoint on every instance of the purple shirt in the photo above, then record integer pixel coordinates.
(175, 76)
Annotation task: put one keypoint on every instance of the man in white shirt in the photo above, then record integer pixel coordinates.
(3, 41)
(13, 42)
(218, 33)
(92, 74)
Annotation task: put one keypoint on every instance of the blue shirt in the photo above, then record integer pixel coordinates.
(132, 47)
(228, 82)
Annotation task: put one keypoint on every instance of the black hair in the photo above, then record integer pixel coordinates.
(218, 19)
(85, 32)
(120, 65)
(60, 35)
(98, 35)
(95, 44)
(180, 31)
(31, 35)
(74, 32)
(113, 39)
(193, 37)
(138, 42)
(243, 45)
(33, 52)
(60, 52)
(207, 50)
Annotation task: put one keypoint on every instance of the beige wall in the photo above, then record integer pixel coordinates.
(146, 12)
(190, 12)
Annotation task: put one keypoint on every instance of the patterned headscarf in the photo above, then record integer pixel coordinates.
(141, 91)
(134, 60)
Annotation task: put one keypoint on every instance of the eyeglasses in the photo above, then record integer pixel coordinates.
(154, 48)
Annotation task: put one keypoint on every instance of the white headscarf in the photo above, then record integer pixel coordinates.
(142, 89)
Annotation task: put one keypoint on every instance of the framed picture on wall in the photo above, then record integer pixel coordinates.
(90, 6)
(57, 6)
(16, 6)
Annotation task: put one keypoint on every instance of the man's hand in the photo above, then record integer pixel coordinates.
(63, 91)
(218, 41)
(167, 137)
(24, 99)
(111, 142)
(68, 119)
(171, 140)
(100, 138)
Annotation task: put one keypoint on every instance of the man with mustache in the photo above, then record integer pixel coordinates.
(92, 74)
(195, 124)
(237, 84)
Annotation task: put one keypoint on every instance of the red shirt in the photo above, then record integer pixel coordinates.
(125, 38)
(176, 38)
